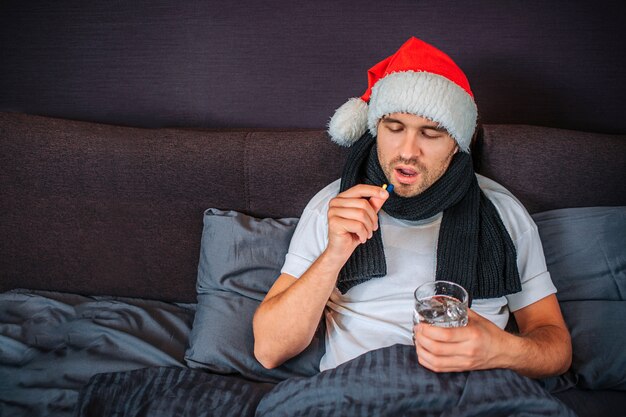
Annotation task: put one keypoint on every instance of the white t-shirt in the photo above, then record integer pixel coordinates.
(378, 313)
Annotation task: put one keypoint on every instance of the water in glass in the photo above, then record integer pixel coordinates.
(440, 311)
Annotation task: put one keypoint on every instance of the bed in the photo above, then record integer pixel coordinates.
(145, 144)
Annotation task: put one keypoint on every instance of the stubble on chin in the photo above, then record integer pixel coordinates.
(427, 177)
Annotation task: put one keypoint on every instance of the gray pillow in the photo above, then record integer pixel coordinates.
(599, 343)
(240, 258)
(585, 252)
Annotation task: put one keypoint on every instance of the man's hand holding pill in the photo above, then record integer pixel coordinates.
(353, 217)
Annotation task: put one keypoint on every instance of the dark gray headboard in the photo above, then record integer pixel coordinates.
(101, 209)
(285, 63)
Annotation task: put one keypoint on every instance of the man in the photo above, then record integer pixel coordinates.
(359, 252)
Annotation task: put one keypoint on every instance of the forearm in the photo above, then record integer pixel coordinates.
(544, 351)
(286, 320)
(285, 323)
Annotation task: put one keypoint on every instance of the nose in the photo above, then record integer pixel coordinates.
(409, 147)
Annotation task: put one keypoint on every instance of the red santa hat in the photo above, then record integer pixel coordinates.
(418, 79)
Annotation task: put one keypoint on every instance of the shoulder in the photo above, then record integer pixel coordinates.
(311, 234)
(512, 212)
(531, 264)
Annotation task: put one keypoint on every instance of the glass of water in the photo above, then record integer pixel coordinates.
(441, 303)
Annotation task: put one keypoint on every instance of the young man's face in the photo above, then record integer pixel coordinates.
(414, 152)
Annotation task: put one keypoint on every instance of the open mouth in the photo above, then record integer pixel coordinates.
(406, 175)
(407, 172)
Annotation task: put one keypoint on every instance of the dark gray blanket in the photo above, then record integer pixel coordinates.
(384, 382)
(171, 392)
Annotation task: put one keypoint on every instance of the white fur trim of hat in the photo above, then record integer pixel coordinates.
(418, 79)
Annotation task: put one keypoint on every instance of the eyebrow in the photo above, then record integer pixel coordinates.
(437, 127)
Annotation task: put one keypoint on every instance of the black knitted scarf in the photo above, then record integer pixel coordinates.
(474, 248)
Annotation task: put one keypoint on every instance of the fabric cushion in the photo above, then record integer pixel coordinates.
(240, 258)
(598, 338)
(584, 250)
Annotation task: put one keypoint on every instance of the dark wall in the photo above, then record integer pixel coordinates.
(290, 64)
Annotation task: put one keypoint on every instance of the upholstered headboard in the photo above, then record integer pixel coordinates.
(101, 209)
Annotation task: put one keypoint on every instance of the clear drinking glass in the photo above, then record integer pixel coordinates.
(441, 303)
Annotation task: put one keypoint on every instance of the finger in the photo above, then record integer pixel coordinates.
(360, 206)
(439, 349)
(364, 191)
(353, 214)
(377, 202)
(425, 358)
(437, 364)
(471, 314)
(428, 360)
(441, 363)
(442, 334)
(356, 228)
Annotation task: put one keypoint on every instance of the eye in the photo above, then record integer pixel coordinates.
(431, 134)
(395, 128)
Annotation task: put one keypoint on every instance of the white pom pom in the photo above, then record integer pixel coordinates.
(349, 122)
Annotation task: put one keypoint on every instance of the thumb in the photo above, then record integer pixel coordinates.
(472, 315)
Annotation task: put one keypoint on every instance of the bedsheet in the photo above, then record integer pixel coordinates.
(52, 343)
